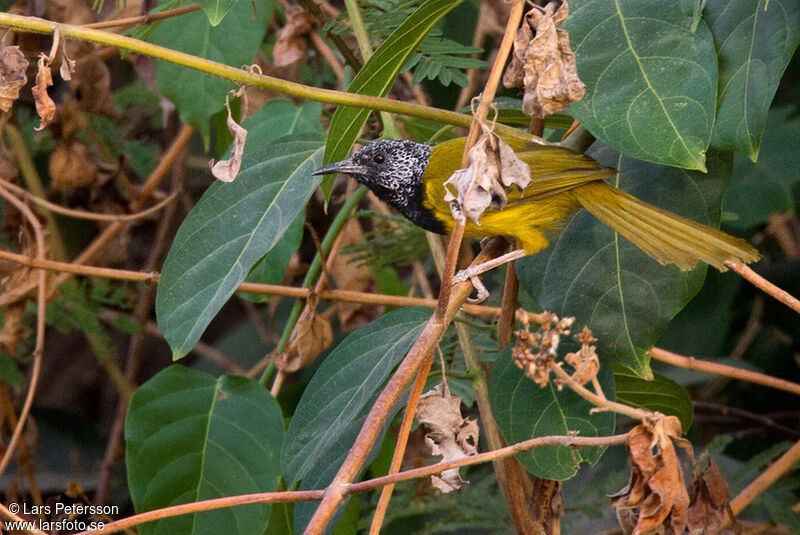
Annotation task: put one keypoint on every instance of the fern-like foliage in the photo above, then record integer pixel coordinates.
(436, 59)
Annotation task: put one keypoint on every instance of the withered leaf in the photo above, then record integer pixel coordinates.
(352, 275)
(311, 336)
(292, 44)
(708, 499)
(543, 62)
(12, 75)
(493, 168)
(12, 329)
(655, 495)
(227, 170)
(72, 166)
(45, 106)
(451, 435)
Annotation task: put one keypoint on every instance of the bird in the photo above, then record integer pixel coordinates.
(410, 177)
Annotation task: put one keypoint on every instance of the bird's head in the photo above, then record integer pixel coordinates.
(392, 168)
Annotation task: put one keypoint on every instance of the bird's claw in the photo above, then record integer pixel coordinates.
(483, 293)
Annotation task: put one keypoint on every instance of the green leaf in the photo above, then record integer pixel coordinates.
(524, 410)
(190, 437)
(339, 396)
(773, 177)
(271, 268)
(228, 231)
(651, 82)
(217, 9)
(609, 284)
(660, 394)
(755, 41)
(234, 42)
(377, 77)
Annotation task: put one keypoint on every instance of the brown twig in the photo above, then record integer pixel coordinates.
(367, 298)
(781, 465)
(143, 19)
(508, 308)
(402, 442)
(41, 304)
(82, 214)
(691, 363)
(326, 52)
(11, 516)
(740, 414)
(309, 495)
(763, 284)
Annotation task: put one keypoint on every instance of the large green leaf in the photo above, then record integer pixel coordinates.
(228, 230)
(524, 410)
(275, 119)
(755, 40)
(609, 284)
(234, 41)
(651, 82)
(377, 77)
(339, 396)
(660, 394)
(761, 189)
(217, 9)
(190, 436)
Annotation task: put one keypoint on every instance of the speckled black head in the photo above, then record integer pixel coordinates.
(393, 170)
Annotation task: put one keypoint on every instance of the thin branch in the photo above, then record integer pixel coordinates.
(11, 516)
(147, 18)
(402, 442)
(691, 363)
(82, 214)
(41, 305)
(243, 77)
(763, 284)
(310, 495)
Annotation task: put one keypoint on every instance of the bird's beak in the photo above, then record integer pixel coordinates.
(345, 166)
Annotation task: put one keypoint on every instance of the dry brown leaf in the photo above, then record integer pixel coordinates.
(72, 166)
(12, 75)
(585, 362)
(91, 84)
(292, 44)
(354, 276)
(543, 62)
(45, 106)
(655, 499)
(311, 336)
(227, 170)
(708, 498)
(12, 330)
(493, 168)
(450, 434)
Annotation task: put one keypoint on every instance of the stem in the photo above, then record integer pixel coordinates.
(362, 486)
(313, 272)
(760, 282)
(243, 77)
(143, 19)
(691, 363)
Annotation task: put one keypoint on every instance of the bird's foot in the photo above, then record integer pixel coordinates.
(471, 273)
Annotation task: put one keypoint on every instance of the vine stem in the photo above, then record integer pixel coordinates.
(240, 76)
(41, 305)
(309, 495)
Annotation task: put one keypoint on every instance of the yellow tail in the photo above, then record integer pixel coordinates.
(667, 237)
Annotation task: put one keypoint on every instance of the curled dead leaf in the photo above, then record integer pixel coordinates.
(585, 362)
(12, 75)
(72, 166)
(227, 170)
(12, 330)
(311, 336)
(655, 499)
(45, 106)
(292, 44)
(708, 498)
(543, 62)
(493, 168)
(450, 434)
(350, 274)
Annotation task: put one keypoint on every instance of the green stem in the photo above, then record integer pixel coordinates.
(313, 272)
(240, 76)
(360, 31)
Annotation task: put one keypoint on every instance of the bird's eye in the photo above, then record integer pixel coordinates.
(378, 158)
